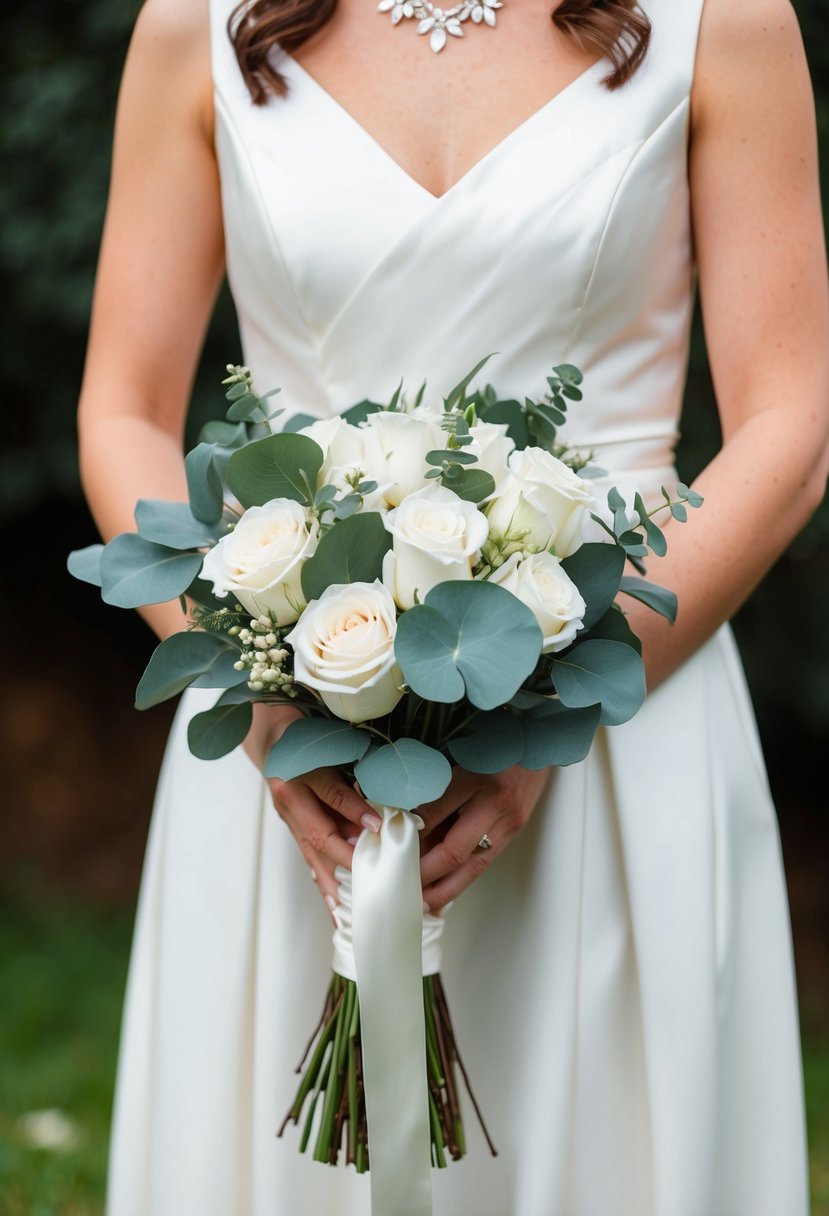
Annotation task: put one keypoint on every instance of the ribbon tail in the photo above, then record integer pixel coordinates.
(387, 940)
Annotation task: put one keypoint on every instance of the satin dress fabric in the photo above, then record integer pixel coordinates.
(621, 978)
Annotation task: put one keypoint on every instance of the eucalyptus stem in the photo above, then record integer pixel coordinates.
(476, 713)
(427, 720)
(333, 1081)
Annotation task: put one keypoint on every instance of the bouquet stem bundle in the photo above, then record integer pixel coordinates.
(333, 1081)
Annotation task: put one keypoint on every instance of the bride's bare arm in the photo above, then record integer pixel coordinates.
(160, 266)
(759, 242)
(159, 270)
(760, 249)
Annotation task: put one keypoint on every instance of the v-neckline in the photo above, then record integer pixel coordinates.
(502, 144)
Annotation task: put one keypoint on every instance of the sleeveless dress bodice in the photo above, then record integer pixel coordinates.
(621, 976)
(568, 242)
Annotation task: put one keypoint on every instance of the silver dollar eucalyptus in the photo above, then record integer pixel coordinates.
(438, 23)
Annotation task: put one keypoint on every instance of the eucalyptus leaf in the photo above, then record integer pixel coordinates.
(618, 508)
(596, 569)
(600, 672)
(347, 506)
(404, 774)
(569, 373)
(278, 466)
(201, 592)
(556, 734)
(457, 394)
(468, 637)
(237, 694)
(135, 571)
(85, 564)
(692, 498)
(527, 699)
(224, 434)
(217, 731)
(551, 413)
(490, 743)
(297, 421)
(312, 743)
(223, 674)
(660, 599)
(358, 413)
(615, 627)
(655, 536)
(631, 542)
(246, 408)
(512, 414)
(352, 551)
(203, 466)
(440, 457)
(472, 485)
(174, 524)
(175, 663)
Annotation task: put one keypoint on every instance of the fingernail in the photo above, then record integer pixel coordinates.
(352, 840)
(426, 907)
(331, 901)
(372, 822)
(314, 875)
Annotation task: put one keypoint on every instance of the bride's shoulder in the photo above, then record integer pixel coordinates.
(173, 27)
(739, 35)
(168, 69)
(747, 50)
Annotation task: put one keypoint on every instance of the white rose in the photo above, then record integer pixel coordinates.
(396, 447)
(541, 505)
(343, 447)
(261, 560)
(344, 648)
(492, 446)
(490, 443)
(436, 537)
(550, 594)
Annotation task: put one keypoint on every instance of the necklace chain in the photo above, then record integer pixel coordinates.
(440, 23)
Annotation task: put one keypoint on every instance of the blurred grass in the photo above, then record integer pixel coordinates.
(63, 964)
(63, 968)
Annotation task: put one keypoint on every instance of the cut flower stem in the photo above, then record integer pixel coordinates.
(331, 1093)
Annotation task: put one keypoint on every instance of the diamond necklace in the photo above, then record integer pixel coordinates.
(438, 22)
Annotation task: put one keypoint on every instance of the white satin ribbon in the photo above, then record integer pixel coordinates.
(384, 920)
(343, 959)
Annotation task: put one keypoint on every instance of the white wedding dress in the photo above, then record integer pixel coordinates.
(621, 978)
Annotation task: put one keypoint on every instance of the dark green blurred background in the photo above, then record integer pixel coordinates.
(81, 764)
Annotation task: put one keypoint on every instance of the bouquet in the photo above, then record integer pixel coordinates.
(412, 577)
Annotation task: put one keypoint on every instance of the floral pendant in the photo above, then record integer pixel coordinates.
(439, 23)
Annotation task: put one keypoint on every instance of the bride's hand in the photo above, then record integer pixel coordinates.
(323, 812)
(495, 806)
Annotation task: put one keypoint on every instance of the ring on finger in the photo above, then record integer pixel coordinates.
(484, 843)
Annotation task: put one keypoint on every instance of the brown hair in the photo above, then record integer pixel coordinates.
(617, 28)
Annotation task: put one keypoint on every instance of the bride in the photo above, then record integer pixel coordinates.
(386, 206)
